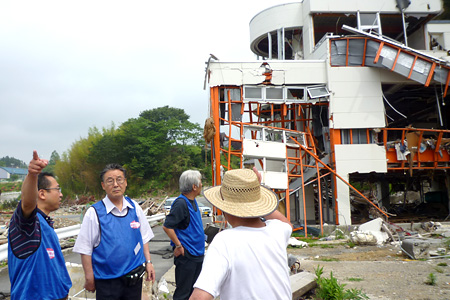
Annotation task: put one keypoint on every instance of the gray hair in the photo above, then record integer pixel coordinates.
(110, 167)
(189, 178)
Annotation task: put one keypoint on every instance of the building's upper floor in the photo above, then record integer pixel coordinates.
(295, 30)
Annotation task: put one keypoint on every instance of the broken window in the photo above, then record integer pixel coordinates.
(317, 92)
(295, 93)
(287, 94)
(355, 136)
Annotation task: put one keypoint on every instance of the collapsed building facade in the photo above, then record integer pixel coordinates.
(344, 111)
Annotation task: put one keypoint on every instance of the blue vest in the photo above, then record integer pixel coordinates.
(121, 247)
(193, 237)
(42, 275)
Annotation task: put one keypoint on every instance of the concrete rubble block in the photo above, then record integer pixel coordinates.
(431, 226)
(417, 248)
(438, 252)
(363, 238)
(370, 233)
(301, 283)
(373, 225)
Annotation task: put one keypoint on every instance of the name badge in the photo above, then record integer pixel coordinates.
(51, 253)
(135, 225)
(137, 248)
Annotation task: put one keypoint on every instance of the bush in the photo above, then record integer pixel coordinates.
(330, 289)
(9, 204)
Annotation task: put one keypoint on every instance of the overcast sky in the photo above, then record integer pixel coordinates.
(67, 66)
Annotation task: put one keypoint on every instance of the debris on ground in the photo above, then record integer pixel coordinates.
(427, 241)
(370, 233)
(296, 243)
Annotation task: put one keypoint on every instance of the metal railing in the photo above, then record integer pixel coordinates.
(69, 231)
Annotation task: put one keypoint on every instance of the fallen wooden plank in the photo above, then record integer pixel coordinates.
(301, 283)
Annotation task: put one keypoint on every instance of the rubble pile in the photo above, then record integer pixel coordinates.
(430, 240)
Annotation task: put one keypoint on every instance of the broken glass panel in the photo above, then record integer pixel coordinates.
(295, 93)
(317, 92)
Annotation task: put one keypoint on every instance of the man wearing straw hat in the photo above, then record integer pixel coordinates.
(248, 261)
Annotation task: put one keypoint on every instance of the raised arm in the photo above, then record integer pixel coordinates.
(276, 215)
(29, 186)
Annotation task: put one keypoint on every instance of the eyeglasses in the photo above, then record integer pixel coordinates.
(59, 189)
(119, 180)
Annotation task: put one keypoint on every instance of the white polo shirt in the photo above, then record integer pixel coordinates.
(89, 236)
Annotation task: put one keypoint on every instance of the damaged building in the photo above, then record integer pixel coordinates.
(344, 112)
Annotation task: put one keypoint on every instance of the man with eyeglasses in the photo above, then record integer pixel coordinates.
(113, 242)
(36, 264)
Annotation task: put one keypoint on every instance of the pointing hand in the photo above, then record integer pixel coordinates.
(36, 164)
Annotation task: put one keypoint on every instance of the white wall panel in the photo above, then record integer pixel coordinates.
(389, 6)
(356, 98)
(342, 74)
(358, 120)
(356, 88)
(355, 158)
(4, 174)
(358, 104)
(257, 148)
(284, 15)
(286, 72)
(351, 157)
(275, 180)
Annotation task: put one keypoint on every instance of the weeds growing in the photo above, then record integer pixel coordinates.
(330, 288)
(328, 259)
(431, 279)
(355, 279)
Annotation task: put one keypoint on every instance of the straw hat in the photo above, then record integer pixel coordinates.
(241, 195)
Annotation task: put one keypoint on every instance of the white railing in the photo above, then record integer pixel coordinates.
(73, 230)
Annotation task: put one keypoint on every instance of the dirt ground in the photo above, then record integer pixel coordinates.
(384, 272)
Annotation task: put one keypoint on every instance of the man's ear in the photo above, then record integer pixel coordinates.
(41, 194)
(103, 185)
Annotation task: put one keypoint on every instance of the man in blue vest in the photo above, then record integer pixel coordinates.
(184, 227)
(36, 264)
(113, 242)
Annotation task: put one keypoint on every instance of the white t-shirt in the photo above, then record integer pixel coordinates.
(248, 263)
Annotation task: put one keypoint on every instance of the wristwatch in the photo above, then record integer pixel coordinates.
(148, 262)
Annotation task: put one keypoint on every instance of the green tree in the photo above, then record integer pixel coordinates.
(155, 149)
(12, 162)
(76, 175)
(54, 158)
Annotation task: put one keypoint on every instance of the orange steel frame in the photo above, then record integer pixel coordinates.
(292, 114)
(399, 50)
(296, 165)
